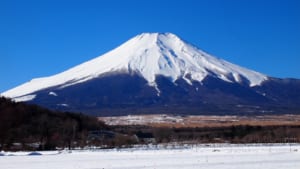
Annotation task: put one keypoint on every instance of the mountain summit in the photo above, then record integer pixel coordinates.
(158, 67)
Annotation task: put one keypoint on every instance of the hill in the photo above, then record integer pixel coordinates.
(26, 126)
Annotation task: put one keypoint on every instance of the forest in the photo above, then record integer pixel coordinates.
(31, 127)
(24, 126)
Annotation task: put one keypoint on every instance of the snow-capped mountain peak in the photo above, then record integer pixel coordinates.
(149, 55)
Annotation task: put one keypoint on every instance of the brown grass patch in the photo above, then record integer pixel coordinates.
(202, 121)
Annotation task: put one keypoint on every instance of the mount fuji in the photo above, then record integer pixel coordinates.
(160, 73)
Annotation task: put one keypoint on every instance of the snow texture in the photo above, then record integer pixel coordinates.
(24, 98)
(52, 94)
(212, 157)
(149, 55)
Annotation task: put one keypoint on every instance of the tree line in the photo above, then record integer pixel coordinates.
(31, 127)
(26, 126)
(224, 134)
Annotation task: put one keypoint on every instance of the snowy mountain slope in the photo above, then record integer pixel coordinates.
(149, 55)
(160, 73)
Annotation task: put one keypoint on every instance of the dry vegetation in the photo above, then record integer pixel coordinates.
(203, 121)
(211, 129)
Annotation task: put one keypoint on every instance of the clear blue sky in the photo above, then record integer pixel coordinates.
(44, 37)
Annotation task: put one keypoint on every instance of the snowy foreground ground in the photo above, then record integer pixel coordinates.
(197, 157)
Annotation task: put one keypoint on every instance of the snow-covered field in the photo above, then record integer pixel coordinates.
(206, 157)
